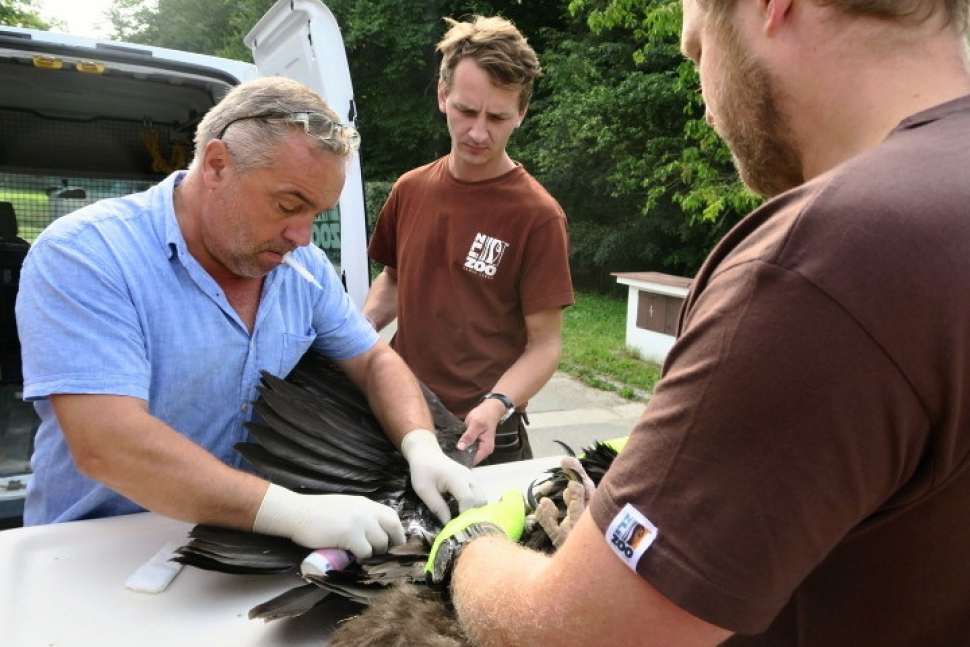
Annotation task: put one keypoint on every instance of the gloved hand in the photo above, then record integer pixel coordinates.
(433, 473)
(505, 517)
(354, 523)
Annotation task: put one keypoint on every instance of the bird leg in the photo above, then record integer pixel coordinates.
(574, 469)
(576, 495)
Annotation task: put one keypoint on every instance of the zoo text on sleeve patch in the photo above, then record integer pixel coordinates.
(630, 535)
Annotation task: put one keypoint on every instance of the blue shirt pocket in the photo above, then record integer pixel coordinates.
(294, 347)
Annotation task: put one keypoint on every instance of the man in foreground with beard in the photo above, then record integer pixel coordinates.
(800, 476)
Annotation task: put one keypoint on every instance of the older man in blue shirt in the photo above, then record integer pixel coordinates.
(145, 322)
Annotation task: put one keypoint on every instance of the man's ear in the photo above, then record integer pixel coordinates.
(216, 161)
(442, 96)
(774, 14)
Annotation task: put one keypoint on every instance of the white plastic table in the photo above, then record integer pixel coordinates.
(63, 585)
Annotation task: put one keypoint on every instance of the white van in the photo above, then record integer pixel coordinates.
(83, 119)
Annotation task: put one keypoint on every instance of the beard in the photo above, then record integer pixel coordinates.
(233, 246)
(753, 124)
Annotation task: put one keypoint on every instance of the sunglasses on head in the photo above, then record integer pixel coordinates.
(316, 124)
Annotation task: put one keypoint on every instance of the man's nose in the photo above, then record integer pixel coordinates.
(479, 130)
(299, 233)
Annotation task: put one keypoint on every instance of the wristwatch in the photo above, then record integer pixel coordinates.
(504, 399)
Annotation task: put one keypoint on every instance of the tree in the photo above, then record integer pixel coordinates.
(617, 135)
(701, 178)
(391, 63)
(213, 27)
(391, 49)
(22, 13)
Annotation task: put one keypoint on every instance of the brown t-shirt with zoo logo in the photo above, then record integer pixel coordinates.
(801, 473)
(472, 260)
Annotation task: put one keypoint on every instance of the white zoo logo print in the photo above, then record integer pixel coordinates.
(484, 255)
(630, 535)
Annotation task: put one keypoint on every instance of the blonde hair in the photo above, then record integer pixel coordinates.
(497, 47)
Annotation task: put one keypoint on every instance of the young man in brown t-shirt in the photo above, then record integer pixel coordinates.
(476, 252)
(802, 474)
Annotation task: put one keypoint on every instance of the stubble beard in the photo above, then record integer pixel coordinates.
(235, 250)
(754, 125)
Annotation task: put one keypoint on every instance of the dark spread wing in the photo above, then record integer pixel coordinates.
(314, 432)
(294, 602)
(236, 551)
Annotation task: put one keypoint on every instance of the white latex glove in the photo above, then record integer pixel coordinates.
(433, 473)
(354, 523)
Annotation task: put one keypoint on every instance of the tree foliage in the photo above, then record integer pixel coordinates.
(615, 130)
(704, 181)
(22, 13)
(394, 65)
(212, 27)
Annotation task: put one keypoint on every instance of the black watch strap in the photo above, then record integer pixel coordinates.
(504, 399)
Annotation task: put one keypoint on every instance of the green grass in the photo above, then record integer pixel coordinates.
(24, 198)
(26, 201)
(594, 348)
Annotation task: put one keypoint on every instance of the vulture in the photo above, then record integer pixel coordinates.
(314, 432)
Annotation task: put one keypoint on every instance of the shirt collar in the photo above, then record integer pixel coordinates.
(164, 206)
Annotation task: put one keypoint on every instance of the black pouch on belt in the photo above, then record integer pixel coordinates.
(511, 441)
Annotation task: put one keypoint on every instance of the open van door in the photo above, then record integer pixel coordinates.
(300, 39)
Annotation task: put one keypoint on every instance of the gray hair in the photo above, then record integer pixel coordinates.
(254, 141)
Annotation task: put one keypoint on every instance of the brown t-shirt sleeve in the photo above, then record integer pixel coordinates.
(383, 243)
(778, 426)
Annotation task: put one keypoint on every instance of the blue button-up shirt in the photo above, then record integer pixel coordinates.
(111, 302)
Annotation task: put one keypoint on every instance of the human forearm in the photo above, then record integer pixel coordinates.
(520, 382)
(503, 597)
(400, 405)
(538, 361)
(490, 587)
(493, 580)
(582, 596)
(114, 440)
(530, 372)
(397, 401)
(381, 303)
